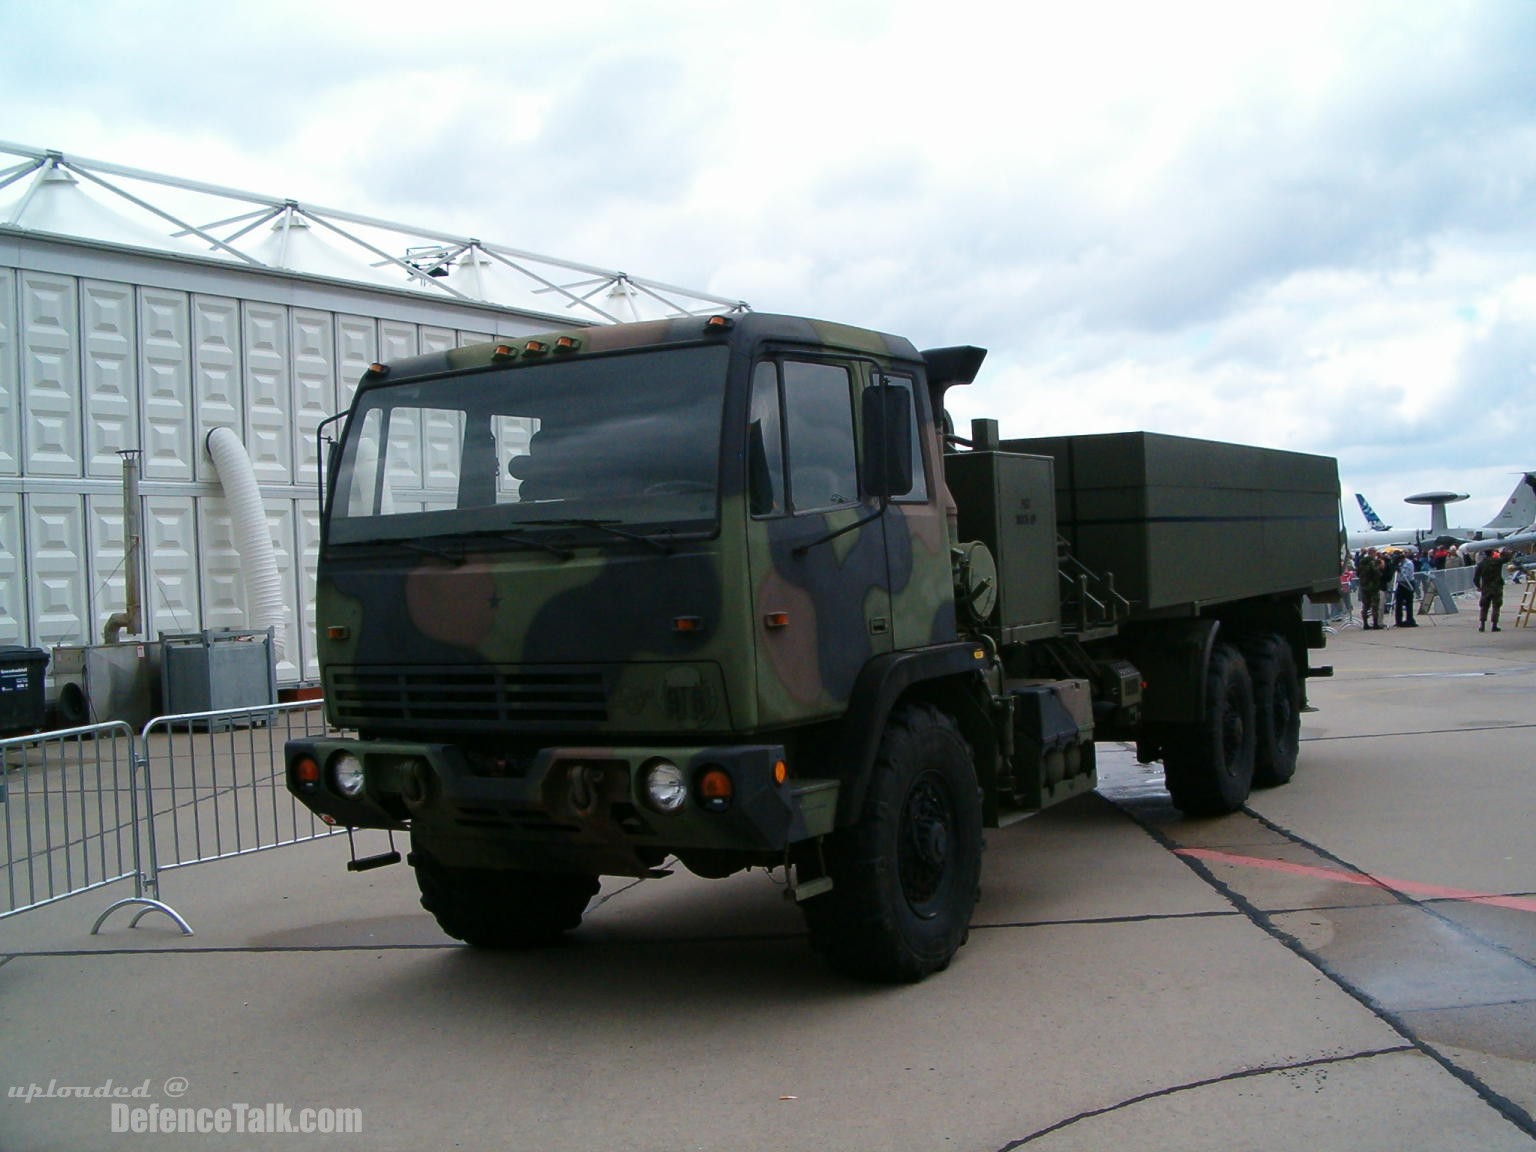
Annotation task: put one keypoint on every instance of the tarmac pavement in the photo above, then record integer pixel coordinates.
(1349, 963)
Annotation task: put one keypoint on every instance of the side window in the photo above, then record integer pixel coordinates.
(818, 405)
(919, 493)
(765, 444)
(363, 490)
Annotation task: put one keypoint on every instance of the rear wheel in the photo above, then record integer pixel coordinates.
(905, 876)
(501, 909)
(1276, 710)
(1209, 765)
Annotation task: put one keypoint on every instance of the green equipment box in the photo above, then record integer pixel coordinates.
(1184, 523)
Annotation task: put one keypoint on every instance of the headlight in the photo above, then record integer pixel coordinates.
(347, 775)
(666, 790)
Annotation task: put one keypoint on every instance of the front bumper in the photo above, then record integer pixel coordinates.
(576, 808)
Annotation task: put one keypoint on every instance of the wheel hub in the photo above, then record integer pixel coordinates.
(923, 854)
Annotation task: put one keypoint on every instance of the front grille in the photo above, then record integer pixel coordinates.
(462, 698)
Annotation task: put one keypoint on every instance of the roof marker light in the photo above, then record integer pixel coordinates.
(535, 348)
(567, 344)
(503, 352)
(719, 324)
(380, 370)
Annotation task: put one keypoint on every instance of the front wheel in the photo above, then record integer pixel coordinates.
(1208, 765)
(501, 909)
(905, 875)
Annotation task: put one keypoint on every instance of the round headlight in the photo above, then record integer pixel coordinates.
(666, 790)
(347, 775)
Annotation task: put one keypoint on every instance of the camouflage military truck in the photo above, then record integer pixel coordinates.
(729, 593)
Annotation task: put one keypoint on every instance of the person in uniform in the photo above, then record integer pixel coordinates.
(1371, 571)
(1488, 579)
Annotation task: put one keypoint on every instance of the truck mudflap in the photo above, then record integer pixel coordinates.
(616, 811)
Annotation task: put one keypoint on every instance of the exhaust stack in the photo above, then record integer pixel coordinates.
(132, 543)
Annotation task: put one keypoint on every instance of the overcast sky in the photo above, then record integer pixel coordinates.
(1301, 225)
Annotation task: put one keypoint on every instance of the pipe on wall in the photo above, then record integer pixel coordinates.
(263, 584)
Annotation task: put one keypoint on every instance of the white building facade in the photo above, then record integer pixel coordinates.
(108, 346)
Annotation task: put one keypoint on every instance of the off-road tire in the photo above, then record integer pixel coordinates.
(502, 909)
(1209, 766)
(1276, 710)
(905, 876)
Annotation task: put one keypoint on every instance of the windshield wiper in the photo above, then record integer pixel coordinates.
(456, 555)
(663, 546)
(533, 541)
(426, 549)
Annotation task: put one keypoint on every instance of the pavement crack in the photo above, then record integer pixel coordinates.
(1264, 921)
(1227, 1077)
(1095, 921)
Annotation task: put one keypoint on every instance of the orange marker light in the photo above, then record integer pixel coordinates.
(688, 624)
(776, 620)
(780, 771)
(338, 632)
(716, 788)
(535, 347)
(378, 369)
(307, 771)
(503, 352)
(567, 344)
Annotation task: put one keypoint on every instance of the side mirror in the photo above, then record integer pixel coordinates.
(887, 440)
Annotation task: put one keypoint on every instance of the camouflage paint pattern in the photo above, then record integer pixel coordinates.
(537, 661)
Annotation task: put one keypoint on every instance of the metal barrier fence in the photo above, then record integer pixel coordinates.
(70, 812)
(91, 806)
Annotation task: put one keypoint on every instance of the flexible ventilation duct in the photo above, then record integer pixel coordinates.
(263, 585)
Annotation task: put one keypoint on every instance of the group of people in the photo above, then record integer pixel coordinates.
(1395, 573)
(1392, 573)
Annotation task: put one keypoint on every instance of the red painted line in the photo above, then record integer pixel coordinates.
(1336, 876)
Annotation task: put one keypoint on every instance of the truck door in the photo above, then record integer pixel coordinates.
(821, 598)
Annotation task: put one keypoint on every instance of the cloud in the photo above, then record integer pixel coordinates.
(1308, 225)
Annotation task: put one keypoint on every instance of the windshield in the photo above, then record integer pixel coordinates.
(628, 439)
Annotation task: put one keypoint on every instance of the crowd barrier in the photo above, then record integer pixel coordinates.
(68, 806)
(86, 807)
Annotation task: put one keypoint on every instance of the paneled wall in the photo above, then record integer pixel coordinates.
(101, 351)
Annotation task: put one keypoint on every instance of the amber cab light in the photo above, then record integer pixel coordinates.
(715, 789)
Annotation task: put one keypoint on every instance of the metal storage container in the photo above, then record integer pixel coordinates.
(1007, 501)
(217, 669)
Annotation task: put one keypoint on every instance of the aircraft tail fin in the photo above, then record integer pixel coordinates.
(1519, 510)
(1374, 520)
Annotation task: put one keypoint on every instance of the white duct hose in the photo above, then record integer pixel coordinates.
(263, 585)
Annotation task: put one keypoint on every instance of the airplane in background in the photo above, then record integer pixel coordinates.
(1371, 519)
(1514, 525)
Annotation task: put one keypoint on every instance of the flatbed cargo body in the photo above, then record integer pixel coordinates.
(1186, 523)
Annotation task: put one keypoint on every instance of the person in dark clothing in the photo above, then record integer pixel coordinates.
(1372, 573)
(1489, 581)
